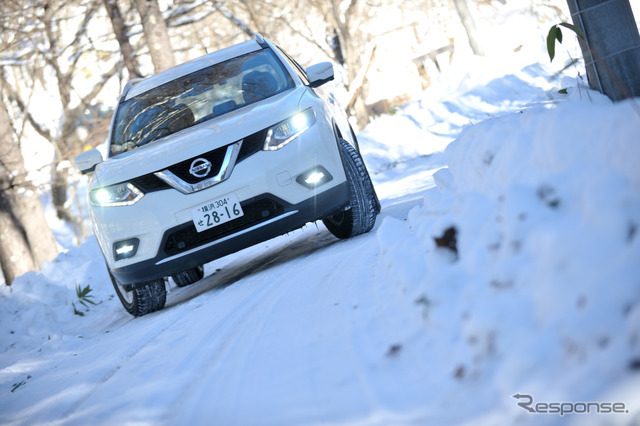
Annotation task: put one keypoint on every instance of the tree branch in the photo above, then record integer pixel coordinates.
(13, 97)
(45, 133)
(307, 38)
(82, 29)
(97, 88)
(237, 22)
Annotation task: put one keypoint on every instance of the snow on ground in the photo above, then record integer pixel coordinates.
(535, 292)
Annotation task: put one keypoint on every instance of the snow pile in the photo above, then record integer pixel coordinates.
(536, 284)
(469, 92)
(40, 307)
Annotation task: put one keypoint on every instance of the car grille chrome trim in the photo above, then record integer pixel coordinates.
(228, 237)
(228, 163)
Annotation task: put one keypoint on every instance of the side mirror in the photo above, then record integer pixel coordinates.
(319, 74)
(88, 160)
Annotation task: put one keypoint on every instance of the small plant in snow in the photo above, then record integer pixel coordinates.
(84, 298)
(555, 34)
(76, 311)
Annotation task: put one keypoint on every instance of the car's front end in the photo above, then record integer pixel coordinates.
(152, 231)
(264, 169)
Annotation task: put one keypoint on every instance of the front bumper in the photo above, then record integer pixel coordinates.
(282, 217)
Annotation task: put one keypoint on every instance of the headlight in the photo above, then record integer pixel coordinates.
(121, 194)
(289, 129)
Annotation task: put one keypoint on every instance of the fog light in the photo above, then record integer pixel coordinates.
(314, 177)
(125, 249)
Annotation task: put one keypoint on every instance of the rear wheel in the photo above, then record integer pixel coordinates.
(360, 215)
(143, 299)
(189, 276)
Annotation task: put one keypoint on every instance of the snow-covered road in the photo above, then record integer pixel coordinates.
(295, 330)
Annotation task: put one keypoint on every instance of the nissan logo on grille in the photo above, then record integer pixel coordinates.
(200, 167)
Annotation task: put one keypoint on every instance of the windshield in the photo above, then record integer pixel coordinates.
(197, 97)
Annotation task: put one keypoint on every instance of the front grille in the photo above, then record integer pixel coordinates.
(150, 183)
(250, 145)
(185, 237)
(216, 157)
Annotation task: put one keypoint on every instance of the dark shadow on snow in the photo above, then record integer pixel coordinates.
(244, 267)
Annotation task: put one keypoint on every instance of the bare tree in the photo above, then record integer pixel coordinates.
(67, 141)
(234, 19)
(48, 51)
(156, 35)
(469, 25)
(15, 255)
(120, 31)
(26, 241)
(349, 42)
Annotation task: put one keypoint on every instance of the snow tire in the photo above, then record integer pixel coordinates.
(143, 299)
(360, 215)
(189, 276)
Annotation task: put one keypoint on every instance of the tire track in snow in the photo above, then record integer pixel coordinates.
(81, 409)
(140, 343)
(236, 331)
(227, 328)
(241, 348)
(233, 337)
(349, 313)
(241, 330)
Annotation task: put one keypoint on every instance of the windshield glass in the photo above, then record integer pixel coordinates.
(197, 97)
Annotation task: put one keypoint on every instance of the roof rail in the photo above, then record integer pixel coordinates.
(129, 85)
(261, 41)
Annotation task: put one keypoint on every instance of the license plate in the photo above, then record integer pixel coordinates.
(216, 212)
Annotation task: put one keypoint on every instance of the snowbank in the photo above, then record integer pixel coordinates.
(40, 307)
(542, 293)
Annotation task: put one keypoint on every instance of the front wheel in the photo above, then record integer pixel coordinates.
(360, 215)
(143, 299)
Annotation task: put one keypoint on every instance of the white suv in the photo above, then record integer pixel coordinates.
(215, 155)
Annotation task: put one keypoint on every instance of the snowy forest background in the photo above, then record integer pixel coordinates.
(65, 62)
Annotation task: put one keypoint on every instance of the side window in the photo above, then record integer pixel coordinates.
(299, 70)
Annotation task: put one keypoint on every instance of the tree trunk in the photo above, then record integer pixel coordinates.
(66, 144)
(354, 64)
(120, 31)
(470, 26)
(15, 256)
(25, 239)
(42, 243)
(155, 32)
(349, 38)
(611, 48)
